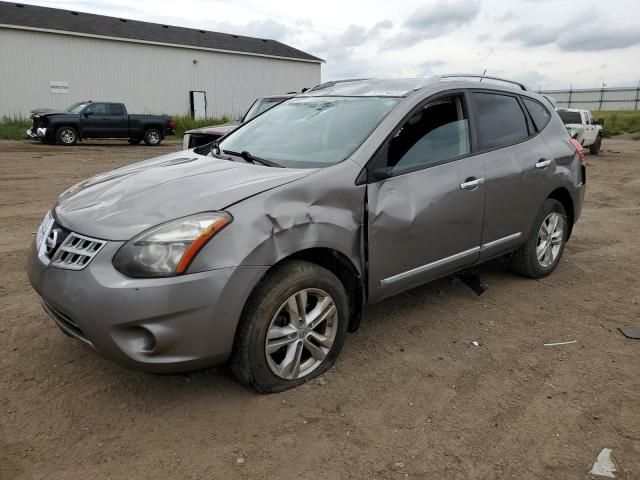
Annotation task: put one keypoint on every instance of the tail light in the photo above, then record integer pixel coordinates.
(578, 148)
(172, 124)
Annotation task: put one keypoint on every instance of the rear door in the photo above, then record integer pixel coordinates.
(117, 123)
(519, 167)
(425, 219)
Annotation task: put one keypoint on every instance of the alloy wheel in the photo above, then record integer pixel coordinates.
(301, 333)
(67, 136)
(550, 238)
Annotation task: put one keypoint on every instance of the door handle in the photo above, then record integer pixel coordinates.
(471, 183)
(542, 163)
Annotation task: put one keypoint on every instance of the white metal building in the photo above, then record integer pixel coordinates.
(51, 58)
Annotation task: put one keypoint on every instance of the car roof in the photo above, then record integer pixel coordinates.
(403, 87)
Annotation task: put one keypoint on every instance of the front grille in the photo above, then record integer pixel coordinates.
(63, 248)
(76, 251)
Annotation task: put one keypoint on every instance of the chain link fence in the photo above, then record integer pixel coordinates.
(623, 98)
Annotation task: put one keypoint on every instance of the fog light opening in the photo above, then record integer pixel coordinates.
(148, 340)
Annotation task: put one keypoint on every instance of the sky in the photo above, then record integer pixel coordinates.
(545, 43)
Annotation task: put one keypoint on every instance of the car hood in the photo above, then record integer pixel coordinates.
(118, 205)
(221, 130)
(49, 111)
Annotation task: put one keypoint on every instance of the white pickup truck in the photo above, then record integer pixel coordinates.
(581, 126)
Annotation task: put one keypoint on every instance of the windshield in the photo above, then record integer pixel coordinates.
(76, 107)
(261, 105)
(310, 131)
(570, 117)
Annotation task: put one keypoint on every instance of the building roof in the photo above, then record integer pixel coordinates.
(19, 15)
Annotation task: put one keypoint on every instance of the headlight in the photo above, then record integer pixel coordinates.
(43, 230)
(168, 249)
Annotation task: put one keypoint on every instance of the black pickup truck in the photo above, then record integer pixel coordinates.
(98, 120)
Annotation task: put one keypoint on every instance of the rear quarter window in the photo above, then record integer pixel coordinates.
(539, 114)
(500, 120)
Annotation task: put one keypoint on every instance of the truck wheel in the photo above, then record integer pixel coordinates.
(292, 329)
(541, 254)
(134, 141)
(66, 136)
(594, 148)
(152, 137)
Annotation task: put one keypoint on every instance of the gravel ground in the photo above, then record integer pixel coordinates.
(410, 397)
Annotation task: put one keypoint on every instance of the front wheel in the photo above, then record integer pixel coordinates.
(293, 328)
(594, 148)
(541, 254)
(152, 137)
(66, 136)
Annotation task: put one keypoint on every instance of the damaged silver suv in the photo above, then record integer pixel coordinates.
(263, 248)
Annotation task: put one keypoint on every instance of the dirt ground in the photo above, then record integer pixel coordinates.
(410, 396)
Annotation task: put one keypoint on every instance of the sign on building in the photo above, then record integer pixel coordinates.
(57, 86)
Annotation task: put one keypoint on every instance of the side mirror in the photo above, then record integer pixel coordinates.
(87, 114)
(599, 121)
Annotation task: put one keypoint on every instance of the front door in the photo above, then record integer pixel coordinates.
(424, 220)
(94, 118)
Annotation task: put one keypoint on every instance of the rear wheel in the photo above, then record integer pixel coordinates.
(152, 137)
(594, 148)
(293, 328)
(541, 254)
(66, 136)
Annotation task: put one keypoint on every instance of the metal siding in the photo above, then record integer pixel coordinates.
(147, 78)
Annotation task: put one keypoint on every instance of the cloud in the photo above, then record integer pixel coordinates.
(533, 35)
(430, 67)
(435, 20)
(599, 39)
(505, 17)
(570, 39)
(352, 36)
(484, 37)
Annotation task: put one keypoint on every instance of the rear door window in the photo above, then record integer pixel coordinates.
(538, 112)
(500, 120)
(116, 110)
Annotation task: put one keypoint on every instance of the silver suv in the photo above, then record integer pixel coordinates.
(263, 248)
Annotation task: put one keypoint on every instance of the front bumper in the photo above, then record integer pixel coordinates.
(37, 133)
(156, 325)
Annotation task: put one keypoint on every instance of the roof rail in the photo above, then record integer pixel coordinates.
(333, 83)
(482, 77)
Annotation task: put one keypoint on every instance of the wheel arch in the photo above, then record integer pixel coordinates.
(562, 195)
(338, 264)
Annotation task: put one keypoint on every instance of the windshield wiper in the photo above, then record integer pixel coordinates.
(253, 159)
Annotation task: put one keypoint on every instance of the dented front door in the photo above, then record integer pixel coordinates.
(424, 224)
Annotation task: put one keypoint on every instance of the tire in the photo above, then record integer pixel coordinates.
(594, 148)
(66, 136)
(134, 141)
(268, 310)
(152, 137)
(525, 260)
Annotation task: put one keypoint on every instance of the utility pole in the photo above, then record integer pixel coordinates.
(570, 92)
(601, 95)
